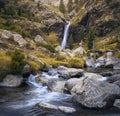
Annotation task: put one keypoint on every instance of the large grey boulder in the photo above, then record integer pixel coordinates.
(12, 81)
(19, 39)
(69, 72)
(92, 93)
(6, 34)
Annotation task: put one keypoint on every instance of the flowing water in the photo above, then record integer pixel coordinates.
(66, 30)
(22, 101)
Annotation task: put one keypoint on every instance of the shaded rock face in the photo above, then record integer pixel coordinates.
(117, 103)
(92, 93)
(12, 81)
(104, 16)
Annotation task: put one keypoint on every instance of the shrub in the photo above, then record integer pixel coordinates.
(47, 46)
(4, 64)
(76, 62)
(17, 62)
(34, 65)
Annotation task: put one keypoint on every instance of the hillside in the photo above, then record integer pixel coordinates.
(40, 26)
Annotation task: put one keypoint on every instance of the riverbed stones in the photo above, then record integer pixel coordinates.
(92, 93)
(12, 81)
(69, 72)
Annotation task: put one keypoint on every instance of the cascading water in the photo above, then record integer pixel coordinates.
(66, 30)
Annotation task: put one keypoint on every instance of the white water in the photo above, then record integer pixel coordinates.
(66, 30)
(39, 93)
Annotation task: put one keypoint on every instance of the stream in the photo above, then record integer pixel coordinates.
(22, 101)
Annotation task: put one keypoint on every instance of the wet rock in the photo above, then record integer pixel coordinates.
(19, 39)
(117, 103)
(56, 85)
(66, 109)
(26, 70)
(6, 34)
(92, 93)
(114, 78)
(12, 81)
(55, 107)
(69, 72)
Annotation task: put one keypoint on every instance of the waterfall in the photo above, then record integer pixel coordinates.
(66, 30)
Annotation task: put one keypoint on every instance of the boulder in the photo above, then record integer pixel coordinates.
(38, 38)
(69, 84)
(92, 75)
(26, 70)
(89, 61)
(6, 34)
(56, 107)
(92, 93)
(19, 39)
(114, 78)
(69, 72)
(100, 62)
(117, 103)
(56, 85)
(12, 81)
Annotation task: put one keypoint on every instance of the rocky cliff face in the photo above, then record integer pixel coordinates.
(103, 15)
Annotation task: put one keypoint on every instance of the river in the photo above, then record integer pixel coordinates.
(22, 101)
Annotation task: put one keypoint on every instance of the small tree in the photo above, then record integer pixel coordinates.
(62, 6)
(81, 35)
(18, 62)
(70, 6)
(91, 37)
(70, 42)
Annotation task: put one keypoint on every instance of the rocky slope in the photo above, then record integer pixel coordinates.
(103, 15)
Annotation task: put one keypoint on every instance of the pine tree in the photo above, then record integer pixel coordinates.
(70, 42)
(17, 62)
(91, 37)
(81, 35)
(62, 6)
(70, 6)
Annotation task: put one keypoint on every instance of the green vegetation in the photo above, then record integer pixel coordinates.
(76, 62)
(17, 62)
(70, 42)
(62, 6)
(47, 46)
(91, 38)
(5, 61)
(70, 6)
(81, 35)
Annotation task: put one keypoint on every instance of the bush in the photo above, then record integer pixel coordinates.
(17, 62)
(34, 65)
(4, 64)
(76, 62)
(47, 46)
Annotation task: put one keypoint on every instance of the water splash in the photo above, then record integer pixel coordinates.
(66, 30)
